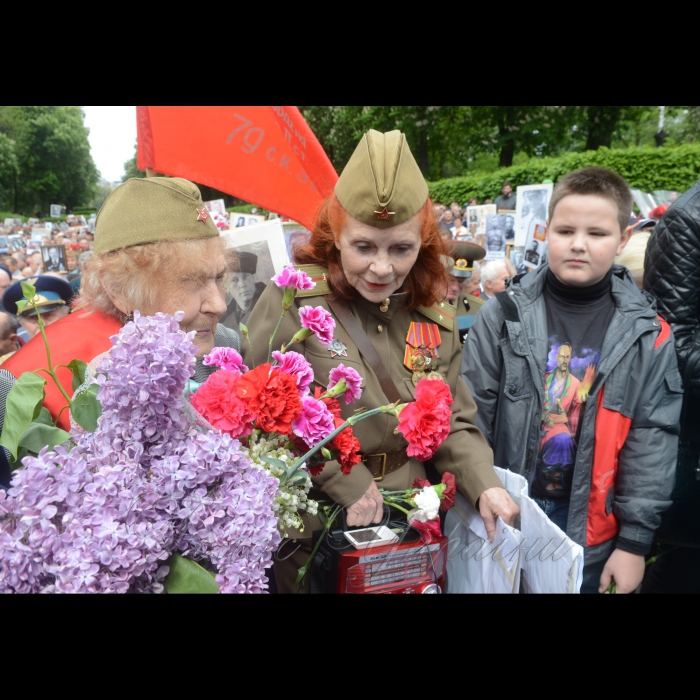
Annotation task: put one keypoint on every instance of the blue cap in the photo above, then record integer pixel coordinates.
(52, 293)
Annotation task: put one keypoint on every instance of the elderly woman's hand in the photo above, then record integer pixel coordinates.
(494, 502)
(367, 509)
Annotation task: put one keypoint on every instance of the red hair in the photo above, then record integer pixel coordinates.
(427, 280)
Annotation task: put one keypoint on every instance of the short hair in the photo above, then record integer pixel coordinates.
(137, 272)
(507, 182)
(426, 280)
(8, 325)
(567, 344)
(596, 181)
(489, 270)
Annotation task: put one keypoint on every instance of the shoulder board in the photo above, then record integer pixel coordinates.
(442, 312)
(475, 301)
(316, 274)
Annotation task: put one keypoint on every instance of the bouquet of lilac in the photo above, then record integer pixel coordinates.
(145, 495)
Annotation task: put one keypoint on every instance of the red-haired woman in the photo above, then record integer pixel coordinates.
(375, 252)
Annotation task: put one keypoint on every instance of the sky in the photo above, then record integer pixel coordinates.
(112, 138)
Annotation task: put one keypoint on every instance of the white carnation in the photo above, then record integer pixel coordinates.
(428, 503)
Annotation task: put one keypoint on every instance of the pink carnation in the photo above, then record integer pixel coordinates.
(320, 321)
(225, 358)
(289, 277)
(352, 380)
(295, 364)
(315, 421)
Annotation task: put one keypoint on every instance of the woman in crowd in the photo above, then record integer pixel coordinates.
(374, 253)
(156, 249)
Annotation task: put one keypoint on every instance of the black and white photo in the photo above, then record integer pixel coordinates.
(495, 236)
(54, 257)
(531, 210)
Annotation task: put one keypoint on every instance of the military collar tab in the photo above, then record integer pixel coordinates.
(317, 274)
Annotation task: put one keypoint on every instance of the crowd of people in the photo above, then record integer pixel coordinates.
(567, 375)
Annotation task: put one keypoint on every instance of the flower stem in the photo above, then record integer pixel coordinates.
(349, 422)
(272, 337)
(304, 569)
(50, 371)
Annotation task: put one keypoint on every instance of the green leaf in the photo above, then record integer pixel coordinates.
(21, 304)
(275, 462)
(326, 453)
(78, 368)
(23, 405)
(86, 409)
(28, 290)
(44, 417)
(186, 576)
(38, 436)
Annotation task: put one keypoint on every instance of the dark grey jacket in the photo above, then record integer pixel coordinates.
(637, 392)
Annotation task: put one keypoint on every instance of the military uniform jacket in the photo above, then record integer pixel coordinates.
(465, 452)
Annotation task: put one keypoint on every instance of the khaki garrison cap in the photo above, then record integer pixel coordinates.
(382, 184)
(145, 210)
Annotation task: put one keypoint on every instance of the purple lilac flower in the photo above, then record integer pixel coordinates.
(225, 358)
(106, 515)
(315, 421)
(352, 380)
(320, 321)
(296, 364)
(289, 277)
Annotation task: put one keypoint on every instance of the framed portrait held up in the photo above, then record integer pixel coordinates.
(531, 210)
(54, 258)
(262, 253)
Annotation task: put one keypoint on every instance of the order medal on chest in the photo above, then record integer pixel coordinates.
(421, 356)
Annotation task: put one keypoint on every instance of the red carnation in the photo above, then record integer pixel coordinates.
(348, 447)
(273, 396)
(419, 483)
(429, 531)
(425, 423)
(216, 400)
(448, 495)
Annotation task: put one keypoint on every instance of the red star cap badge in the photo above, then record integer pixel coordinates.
(384, 214)
(203, 214)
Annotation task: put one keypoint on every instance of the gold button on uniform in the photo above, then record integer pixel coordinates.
(385, 305)
(380, 328)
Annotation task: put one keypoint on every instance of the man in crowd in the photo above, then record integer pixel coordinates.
(446, 221)
(244, 290)
(493, 277)
(461, 274)
(53, 296)
(9, 339)
(12, 265)
(5, 281)
(507, 198)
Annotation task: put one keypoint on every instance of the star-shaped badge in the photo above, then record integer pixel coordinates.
(338, 347)
(384, 214)
(203, 214)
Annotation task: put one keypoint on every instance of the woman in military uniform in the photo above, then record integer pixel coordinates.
(375, 256)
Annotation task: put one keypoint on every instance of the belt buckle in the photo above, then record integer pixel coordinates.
(383, 455)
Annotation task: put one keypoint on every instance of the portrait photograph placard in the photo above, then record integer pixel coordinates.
(54, 258)
(476, 218)
(262, 253)
(531, 210)
(216, 205)
(536, 247)
(241, 220)
(495, 236)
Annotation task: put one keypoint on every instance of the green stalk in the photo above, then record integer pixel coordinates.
(304, 569)
(272, 337)
(349, 422)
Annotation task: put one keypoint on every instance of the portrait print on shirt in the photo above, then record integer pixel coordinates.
(570, 373)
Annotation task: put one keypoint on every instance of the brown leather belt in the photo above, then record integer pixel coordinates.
(384, 463)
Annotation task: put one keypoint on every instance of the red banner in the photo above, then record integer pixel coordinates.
(265, 155)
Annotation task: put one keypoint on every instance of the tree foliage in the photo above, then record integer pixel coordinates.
(648, 168)
(454, 140)
(45, 158)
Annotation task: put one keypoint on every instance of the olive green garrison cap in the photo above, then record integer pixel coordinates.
(145, 210)
(382, 184)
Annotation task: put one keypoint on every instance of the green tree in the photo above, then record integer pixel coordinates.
(53, 157)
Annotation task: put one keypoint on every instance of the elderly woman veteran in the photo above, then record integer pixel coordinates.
(156, 249)
(375, 251)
